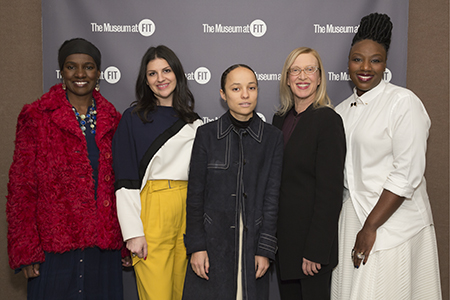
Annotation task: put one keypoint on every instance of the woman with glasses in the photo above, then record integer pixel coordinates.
(387, 243)
(312, 179)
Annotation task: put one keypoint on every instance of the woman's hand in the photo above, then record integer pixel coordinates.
(262, 264)
(126, 261)
(363, 245)
(382, 211)
(31, 271)
(138, 246)
(200, 264)
(310, 268)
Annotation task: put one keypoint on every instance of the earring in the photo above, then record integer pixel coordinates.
(64, 86)
(97, 86)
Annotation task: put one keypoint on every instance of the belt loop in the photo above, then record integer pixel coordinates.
(169, 184)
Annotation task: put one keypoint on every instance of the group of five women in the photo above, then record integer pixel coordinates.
(336, 198)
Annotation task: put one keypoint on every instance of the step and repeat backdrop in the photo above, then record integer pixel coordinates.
(208, 37)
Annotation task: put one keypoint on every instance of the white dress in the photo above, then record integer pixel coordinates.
(386, 134)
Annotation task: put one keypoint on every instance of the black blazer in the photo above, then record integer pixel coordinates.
(311, 192)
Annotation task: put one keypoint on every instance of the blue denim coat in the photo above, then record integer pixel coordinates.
(232, 170)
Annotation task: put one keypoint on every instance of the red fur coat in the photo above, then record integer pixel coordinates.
(51, 205)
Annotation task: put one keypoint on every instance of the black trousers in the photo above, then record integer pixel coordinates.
(315, 287)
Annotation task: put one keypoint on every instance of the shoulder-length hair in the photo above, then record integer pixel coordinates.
(146, 102)
(286, 95)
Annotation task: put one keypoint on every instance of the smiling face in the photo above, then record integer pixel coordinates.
(161, 80)
(80, 74)
(304, 86)
(366, 65)
(241, 93)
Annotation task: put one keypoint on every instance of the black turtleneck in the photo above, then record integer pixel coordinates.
(239, 124)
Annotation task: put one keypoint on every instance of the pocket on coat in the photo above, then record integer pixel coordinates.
(220, 158)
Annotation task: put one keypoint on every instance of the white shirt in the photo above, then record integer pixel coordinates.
(386, 133)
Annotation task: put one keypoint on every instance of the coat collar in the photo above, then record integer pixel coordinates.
(279, 120)
(61, 113)
(370, 95)
(255, 129)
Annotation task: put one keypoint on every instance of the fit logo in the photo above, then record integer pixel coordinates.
(202, 75)
(111, 75)
(258, 28)
(147, 27)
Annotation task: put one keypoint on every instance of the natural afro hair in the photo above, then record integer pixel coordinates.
(376, 27)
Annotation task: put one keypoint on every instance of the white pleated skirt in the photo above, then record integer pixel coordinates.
(408, 271)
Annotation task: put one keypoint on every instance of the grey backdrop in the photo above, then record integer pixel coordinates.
(189, 28)
(209, 36)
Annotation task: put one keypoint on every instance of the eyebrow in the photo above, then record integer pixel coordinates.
(238, 83)
(360, 53)
(311, 65)
(168, 67)
(83, 63)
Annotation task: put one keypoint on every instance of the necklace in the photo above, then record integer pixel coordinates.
(87, 120)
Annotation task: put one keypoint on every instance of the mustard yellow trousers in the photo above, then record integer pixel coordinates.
(163, 214)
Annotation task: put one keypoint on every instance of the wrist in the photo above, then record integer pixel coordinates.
(369, 226)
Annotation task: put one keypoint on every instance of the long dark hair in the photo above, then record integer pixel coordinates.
(146, 102)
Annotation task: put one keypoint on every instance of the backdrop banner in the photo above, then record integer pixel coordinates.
(209, 36)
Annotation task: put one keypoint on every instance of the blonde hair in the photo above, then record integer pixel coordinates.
(286, 96)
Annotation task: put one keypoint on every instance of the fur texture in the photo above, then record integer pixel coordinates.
(51, 199)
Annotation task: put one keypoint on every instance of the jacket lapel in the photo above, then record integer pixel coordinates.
(224, 126)
(62, 115)
(255, 129)
(279, 120)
